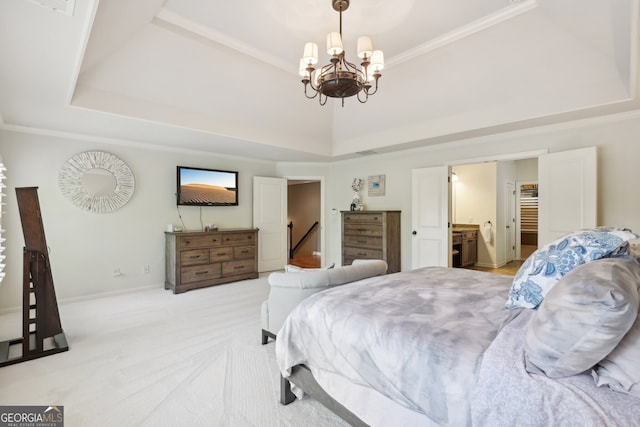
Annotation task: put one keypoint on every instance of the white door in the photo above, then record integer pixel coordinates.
(431, 191)
(270, 216)
(510, 219)
(567, 193)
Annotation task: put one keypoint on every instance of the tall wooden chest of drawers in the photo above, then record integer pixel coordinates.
(198, 259)
(371, 235)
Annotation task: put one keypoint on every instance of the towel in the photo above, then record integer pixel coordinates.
(486, 232)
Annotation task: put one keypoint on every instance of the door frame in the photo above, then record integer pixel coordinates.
(321, 179)
(511, 202)
(519, 217)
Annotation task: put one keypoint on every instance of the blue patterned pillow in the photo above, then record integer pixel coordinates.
(542, 270)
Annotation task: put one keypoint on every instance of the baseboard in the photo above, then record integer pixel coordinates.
(486, 265)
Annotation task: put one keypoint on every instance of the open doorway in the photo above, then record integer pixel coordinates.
(528, 217)
(486, 196)
(304, 219)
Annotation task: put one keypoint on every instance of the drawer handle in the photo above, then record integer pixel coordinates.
(194, 256)
(362, 241)
(362, 229)
(244, 252)
(362, 254)
(202, 272)
(221, 253)
(238, 267)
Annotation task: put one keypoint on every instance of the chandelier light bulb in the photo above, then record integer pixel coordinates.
(365, 47)
(302, 68)
(310, 55)
(334, 43)
(377, 61)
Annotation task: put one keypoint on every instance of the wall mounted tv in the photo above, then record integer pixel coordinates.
(207, 187)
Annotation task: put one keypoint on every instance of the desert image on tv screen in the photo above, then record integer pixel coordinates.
(202, 187)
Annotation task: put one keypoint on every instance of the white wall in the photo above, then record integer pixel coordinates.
(85, 247)
(618, 173)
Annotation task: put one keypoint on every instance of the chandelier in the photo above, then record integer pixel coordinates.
(341, 78)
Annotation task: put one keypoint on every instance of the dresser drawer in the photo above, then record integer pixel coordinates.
(363, 241)
(361, 253)
(194, 256)
(244, 252)
(223, 253)
(237, 267)
(201, 241)
(363, 230)
(374, 218)
(238, 238)
(469, 234)
(198, 273)
(371, 235)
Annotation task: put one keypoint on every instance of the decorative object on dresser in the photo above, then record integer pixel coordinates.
(199, 259)
(371, 235)
(356, 185)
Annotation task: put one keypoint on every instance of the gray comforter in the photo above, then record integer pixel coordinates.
(507, 395)
(417, 337)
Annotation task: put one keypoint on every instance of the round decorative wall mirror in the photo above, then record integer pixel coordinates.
(96, 181)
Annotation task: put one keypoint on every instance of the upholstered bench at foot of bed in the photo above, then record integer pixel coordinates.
(288, 289)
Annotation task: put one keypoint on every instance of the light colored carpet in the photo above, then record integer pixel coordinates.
(151, 358)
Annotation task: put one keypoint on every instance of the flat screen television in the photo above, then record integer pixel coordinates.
(206, 187)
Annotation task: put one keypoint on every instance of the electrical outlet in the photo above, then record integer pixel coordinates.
(147, 269)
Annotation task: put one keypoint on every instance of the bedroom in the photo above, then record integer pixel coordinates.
(87, 248)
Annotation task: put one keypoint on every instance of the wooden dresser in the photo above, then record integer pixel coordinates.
(371, 235)
(198, 259)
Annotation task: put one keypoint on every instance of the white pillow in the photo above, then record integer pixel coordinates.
(620, 370)
(584, 317)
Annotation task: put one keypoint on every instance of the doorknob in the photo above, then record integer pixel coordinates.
(414, 232)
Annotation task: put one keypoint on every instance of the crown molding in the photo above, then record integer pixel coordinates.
(178, 24)
(465, 31)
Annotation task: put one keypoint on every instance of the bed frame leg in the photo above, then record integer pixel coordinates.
(286, 395)
(266, 335)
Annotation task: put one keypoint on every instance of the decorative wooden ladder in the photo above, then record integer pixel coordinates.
(42, 333)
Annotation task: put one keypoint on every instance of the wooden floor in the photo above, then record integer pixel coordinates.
(305, 261)
(510, 269)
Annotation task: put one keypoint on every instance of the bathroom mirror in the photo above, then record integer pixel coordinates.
(96, 181)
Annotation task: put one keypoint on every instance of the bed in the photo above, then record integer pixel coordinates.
(442, 346)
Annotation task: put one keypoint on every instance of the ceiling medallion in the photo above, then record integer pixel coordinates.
(341, 78)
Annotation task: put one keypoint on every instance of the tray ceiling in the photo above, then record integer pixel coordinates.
(222, 76)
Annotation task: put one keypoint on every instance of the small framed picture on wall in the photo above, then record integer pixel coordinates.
(375, 185)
